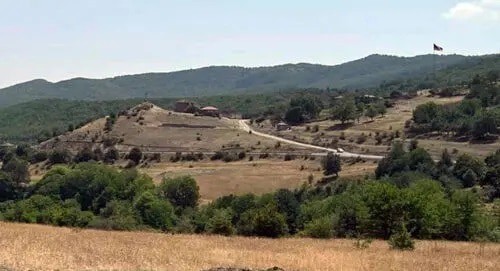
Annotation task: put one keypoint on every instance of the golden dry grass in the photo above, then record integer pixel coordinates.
(36, 247)
(216, 178)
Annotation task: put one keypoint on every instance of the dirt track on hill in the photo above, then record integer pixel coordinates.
(244, 126)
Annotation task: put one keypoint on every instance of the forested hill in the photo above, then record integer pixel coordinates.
(363, 73)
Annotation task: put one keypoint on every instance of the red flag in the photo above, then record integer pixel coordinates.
(437, 48)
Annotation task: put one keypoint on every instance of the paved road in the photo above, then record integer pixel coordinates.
(244, 126)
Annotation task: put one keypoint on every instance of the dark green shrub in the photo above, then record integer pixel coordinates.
(220, 223)
(155, 212)
(268, 222)
(39, 156)
(135, 155)
(181, 191)
(61, 156)
(319, 228)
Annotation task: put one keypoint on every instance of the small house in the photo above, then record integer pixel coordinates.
(210, 111)
(281, 126)
(184, 106)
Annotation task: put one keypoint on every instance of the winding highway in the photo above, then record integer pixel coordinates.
(243, 125)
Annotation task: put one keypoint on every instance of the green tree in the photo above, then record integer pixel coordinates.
(331, 164)
(381, 109)
(180, 191)
(309, 105)
(466, 162)
(289, 206)
(426, 113)
(294, 115)
(371, 112)
(8, 189)
(155, 212)
(485, 124)
(344, 111)
(135, 155)
(18, 170)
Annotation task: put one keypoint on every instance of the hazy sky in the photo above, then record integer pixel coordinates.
(61, 39)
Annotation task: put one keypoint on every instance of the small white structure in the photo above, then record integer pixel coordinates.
(281, 126)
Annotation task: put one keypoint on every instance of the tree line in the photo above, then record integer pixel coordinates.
(411, 196)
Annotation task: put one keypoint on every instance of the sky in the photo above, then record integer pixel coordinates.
(59, 39)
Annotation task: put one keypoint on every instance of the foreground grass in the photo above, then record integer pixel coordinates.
(37, 247)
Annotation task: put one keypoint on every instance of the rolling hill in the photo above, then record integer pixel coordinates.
(367, 72)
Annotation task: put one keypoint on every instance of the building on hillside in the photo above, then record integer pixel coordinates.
(281, 126)
(184, 106)
(210, 111)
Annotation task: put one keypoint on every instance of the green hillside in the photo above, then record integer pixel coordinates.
(368, 72)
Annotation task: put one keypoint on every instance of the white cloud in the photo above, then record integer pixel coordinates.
(475, 10)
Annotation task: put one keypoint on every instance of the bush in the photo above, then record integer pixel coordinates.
(269, 223)
(61, 156)
(111, 155)
(289, 157)
(402, 240)
(264, 155)
(218, 155)
(39, 156)
(84, 155)
(361, 139)
(135, 155)
(117, 215)
(315, 128)
(363, 243)
(319, 228)
(220, 222)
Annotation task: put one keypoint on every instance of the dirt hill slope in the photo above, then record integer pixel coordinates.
(158, 130)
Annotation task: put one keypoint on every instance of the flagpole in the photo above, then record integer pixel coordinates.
(434, 66)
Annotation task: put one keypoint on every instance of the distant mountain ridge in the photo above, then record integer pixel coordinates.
(368, 72)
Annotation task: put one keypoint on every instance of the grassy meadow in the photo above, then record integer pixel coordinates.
(36, 247)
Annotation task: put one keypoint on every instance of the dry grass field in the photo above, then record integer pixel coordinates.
(217, 178)
(37, 247)
(393, 121)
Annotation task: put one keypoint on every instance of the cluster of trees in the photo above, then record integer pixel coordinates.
(351, 109)
(477, 116)
(100, 196)
(401, 167)
(303, 108)
(95, 195)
